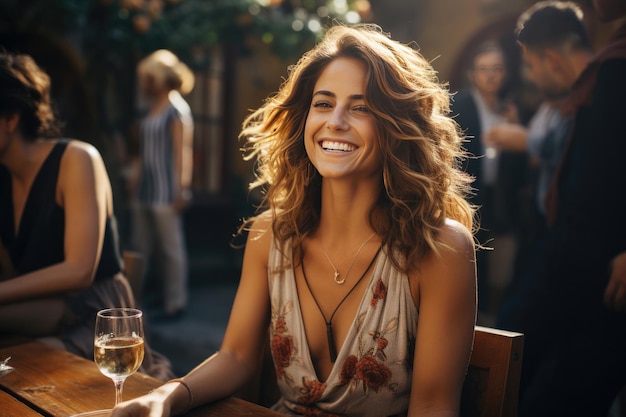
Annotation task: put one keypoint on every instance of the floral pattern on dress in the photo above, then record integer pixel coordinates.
(368, 369)
(311, 392)
(281, 344)
(380, 292)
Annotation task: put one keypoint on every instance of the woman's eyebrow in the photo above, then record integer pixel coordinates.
(331, 94)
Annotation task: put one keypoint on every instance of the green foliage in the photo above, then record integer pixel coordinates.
(113, 35)
(187, 26)
(184, 26)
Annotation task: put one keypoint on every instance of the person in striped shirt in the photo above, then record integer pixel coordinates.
(162, 180)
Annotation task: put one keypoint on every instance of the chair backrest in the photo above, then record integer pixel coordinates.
(491, 385)
(133, 269)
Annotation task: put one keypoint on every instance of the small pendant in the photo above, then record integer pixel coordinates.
(338, 281)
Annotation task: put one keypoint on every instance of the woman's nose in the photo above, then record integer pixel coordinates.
(337, 120)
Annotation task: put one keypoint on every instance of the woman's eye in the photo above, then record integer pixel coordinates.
(321, 104)
(363, 109)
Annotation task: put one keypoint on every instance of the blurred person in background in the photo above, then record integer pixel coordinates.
(556, 49)
(499, 175)
(58, 236)
(573, 311)
(160, 182)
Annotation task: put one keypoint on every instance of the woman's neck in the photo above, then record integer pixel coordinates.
(346, 211)
(160, 102)
(23, 157)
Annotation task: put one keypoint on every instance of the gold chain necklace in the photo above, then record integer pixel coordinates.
(332, 349)
(336, 273)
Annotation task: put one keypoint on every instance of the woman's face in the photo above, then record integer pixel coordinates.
(340, 131)
(488, 72)
(148, 86)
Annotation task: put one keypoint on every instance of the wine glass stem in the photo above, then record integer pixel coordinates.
(119, 385)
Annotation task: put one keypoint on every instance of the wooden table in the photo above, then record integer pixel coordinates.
(51, 382)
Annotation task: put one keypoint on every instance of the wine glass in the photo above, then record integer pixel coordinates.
(118, 344)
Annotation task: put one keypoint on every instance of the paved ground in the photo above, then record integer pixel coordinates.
(187, 341)
(198, 334)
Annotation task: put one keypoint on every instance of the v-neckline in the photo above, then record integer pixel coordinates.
(17, 227)
(306, 353)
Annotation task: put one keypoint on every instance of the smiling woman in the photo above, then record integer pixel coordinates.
(361, 260)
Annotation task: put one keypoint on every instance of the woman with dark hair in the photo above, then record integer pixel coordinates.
(57, 227)
(361, 262)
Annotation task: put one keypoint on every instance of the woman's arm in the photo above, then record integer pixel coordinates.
(182, 137)
(445, 331)
(242, 348)
(507, 137)
(83, 190)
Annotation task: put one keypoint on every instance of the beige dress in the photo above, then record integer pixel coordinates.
(372, 374)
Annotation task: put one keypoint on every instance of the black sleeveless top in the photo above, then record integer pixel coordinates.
(40, 240)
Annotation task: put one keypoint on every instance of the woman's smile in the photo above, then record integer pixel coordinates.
(335, 146)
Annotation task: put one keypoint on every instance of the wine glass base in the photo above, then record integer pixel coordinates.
(95, 413)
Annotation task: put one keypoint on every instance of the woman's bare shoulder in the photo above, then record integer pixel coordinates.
(83, 171)
(260, 226)
(455, 255)
(80, 152)
(258, 244)
(452, 268)
(456, 237)
(82, 147)
(260, 233)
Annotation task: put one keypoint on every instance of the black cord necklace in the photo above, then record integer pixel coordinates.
(329, 323)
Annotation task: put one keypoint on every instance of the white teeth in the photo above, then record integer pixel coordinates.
(337, 146)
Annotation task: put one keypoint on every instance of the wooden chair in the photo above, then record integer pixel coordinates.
(133, 269)
(491, 386)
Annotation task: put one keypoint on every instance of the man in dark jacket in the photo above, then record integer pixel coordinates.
(575, 320)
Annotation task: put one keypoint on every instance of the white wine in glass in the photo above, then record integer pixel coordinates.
(118, 344)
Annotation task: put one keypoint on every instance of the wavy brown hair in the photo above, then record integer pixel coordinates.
(25, 90)
(420, 145)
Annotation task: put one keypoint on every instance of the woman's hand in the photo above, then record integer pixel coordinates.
(507, 137)
(154, 404)
(182, 200)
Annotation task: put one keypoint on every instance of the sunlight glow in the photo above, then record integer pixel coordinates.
(353, 17)
(314, 25)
